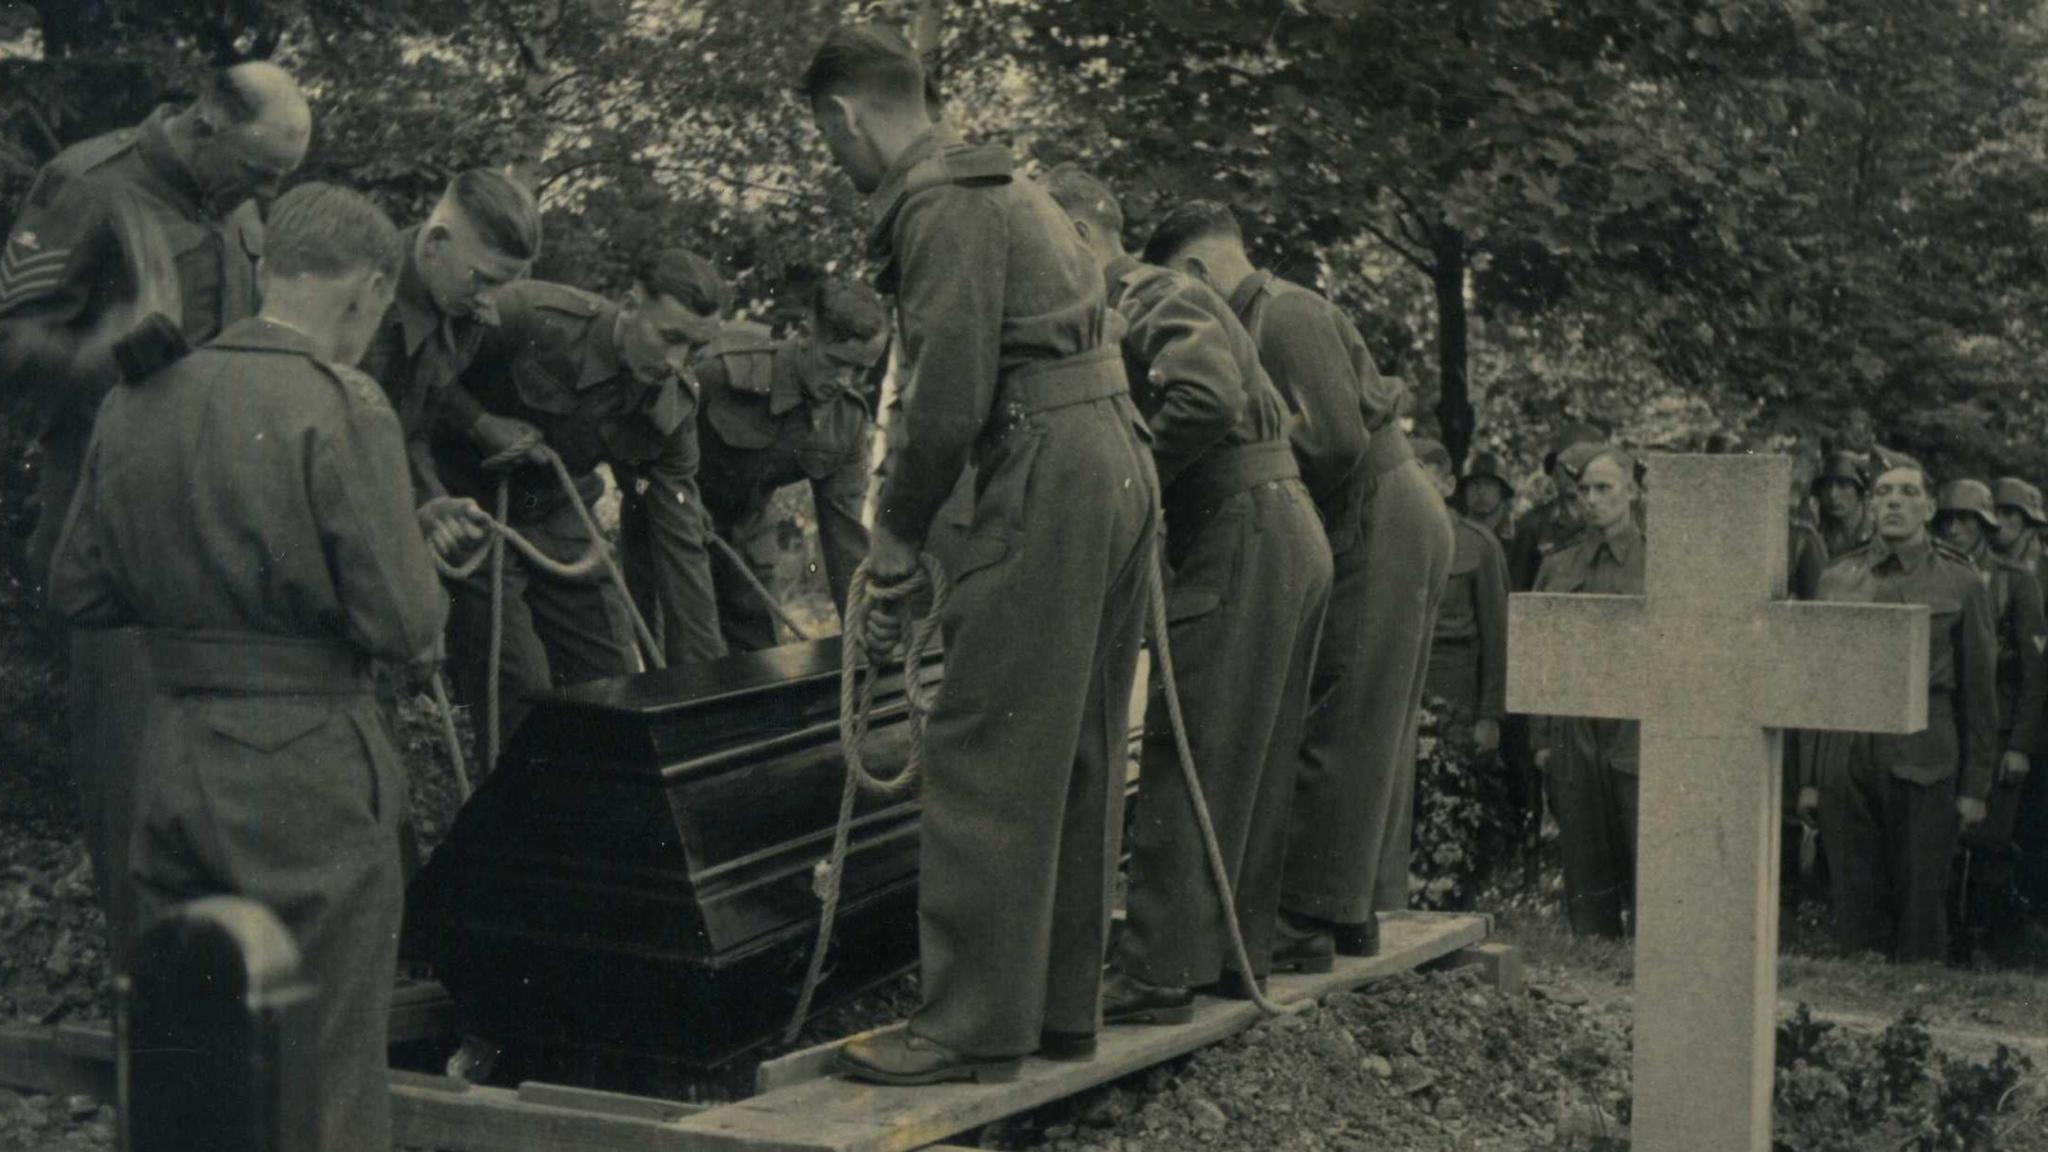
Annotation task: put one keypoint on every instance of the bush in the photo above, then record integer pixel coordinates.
(1469, 814)
(1843, 1091)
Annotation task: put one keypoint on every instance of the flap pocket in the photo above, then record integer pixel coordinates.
(267, 725)
(538, 387)
(974, 552)
(1183, 604)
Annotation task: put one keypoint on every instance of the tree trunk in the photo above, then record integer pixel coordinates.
(1454, 400)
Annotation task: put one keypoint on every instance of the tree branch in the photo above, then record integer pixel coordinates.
(1422, 264)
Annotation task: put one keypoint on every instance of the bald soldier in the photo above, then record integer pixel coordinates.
(131, 248)
(1468, 654)
(778, 413)
(1966, 519)
(247, 507)
(1007, 358)
(1592, 764)
(1392, 541)
(1248, 577)
(1889, 807)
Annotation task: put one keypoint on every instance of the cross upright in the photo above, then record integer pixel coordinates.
(1715, 663)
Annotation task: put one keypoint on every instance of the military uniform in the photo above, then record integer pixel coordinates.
(552, 361)
(767, 421)
(2030, 824)
(419, 356)
(1468, 664)
(248, 508)
(1548, 528)
(1248, 580)
(1007, 359)
(1888, 803)
(1844, 536)
(114, 227)
(1807, 558)
(1593, 763)
(2022, 679)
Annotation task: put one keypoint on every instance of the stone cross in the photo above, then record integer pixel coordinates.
(1714, 663)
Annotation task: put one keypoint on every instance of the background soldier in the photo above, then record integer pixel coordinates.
(1485, 495)
(1889, 806)
(2020, 520)
(1592, 764)
(1966, 520)
(267, 577)
(1840, 491)
(599, 382)
(1003, 329)
(1248, 577)
(132, 248)
(1468, 652)
(776, 414)
(1557, 521)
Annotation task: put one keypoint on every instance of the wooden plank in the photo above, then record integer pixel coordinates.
(453, 1117)
(831, 1115)
(612, 1103)
(1501, 964)
(60, 1061)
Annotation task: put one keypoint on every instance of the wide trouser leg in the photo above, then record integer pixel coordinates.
(743, 617)
(109, 687)
(311, 832)
(1921, 820)
(1854, 798)
(1244, 608)
(1994, 858)
(1413, 531)
(1020, 819)
(1590, 838)
(1453, 676)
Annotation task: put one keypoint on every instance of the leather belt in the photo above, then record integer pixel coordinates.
(254, 663)
(1220, 474)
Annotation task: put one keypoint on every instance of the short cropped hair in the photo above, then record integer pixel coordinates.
(226, 94)
(502, 211)
(847, 310)
(685, 277)
(1187, 223)
(326, 230)
(866, 58)
(1084, 197)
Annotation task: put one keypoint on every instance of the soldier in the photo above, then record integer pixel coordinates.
(1485, 495)
(1841, 490)
(1889, 806)
(2020, 520)
(1966, 520)
(600, 382)
(1248, 578)
(248, 508)
(131, 248)
(776, 414)
(1592, 763)
(1468, 654)
(1391, 539)
(1006, 358)
(1557, 521)
(484, 233)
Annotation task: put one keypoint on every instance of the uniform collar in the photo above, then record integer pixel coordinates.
(418, 316)
(604, 360)
(1114, 272)
(153, 144)
(888, 196)
(1620, 544)
(1253, 284)
(257, 334)
(1907, 557)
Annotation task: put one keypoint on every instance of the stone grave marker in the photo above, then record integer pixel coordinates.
(1715, 663)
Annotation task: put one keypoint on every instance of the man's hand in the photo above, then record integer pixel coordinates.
(1486, 734)
(2013, 767)
(1808, 806)
(507, 441)
(1970, 810)
(453, 526)
(891, 559)
(1542, 758)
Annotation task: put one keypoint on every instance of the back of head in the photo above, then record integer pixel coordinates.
(328, 232)
(500, 209)
(866, 61)
(1083, 197)
(685, 277)
(1188, 224)
(254, 91)
(847, 311)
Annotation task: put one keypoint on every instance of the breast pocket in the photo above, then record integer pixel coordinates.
(541, 389)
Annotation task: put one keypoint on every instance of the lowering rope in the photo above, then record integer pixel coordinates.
(856, 706)
(746, 571)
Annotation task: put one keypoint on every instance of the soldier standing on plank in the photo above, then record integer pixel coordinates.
(1890, 807)
(1248, 578)
(1008, 358)
(248, 508)
(790, 412)
(132, 248)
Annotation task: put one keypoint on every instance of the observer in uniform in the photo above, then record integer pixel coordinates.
(1007, 358)
(1592, 764)
(2020, 521)
(131, 248)
(1966, 518)
(600, 382)
(1248, 578)
(1555, 523)
(1889, 806)
(1391, 537)
(1841, 492)
(777, 413)
(248, 507)
(1468, 654)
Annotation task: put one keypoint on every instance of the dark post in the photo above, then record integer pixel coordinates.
(216, 1034)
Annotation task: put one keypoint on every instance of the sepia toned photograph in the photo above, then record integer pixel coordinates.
(1042, 575)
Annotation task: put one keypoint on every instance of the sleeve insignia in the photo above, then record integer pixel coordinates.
(27, 270)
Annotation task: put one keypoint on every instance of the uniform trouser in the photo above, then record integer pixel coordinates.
(1453, 675)
(556, 631)
(1596, 822)
(2030, 839)
(108, 684)
(1890, 843)
(294, 802)
(1245, 608)
(1354, 798)
(1990, 901)
(1023, 786)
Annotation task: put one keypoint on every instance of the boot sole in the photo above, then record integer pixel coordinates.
(979, 1072)
(1307, 966)
(1183, 1014)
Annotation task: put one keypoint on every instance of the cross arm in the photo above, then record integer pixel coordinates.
(1843, 667)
